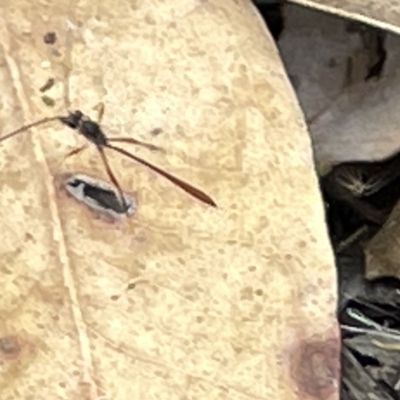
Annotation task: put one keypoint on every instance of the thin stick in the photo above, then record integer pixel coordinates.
(29, 126)
(112, 176)
(183, 185)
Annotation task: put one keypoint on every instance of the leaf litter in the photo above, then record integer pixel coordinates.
(344, 73)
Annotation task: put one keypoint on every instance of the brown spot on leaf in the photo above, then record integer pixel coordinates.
(9, 347)
(315, 368)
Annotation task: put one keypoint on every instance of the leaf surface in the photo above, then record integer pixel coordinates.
(180, 300)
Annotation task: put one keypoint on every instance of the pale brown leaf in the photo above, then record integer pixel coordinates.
(180, 301)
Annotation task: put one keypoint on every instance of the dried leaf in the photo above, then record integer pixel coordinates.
(380, 13)
(180, 300)
(351, 118)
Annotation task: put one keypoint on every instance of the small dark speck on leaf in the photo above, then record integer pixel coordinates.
(50, 38)
(48, 101)
(48, 85)
(156, 131)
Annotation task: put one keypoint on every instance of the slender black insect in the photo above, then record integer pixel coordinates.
(92, 131)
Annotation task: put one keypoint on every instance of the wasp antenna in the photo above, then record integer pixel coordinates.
(197, 193)
(28, 126)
